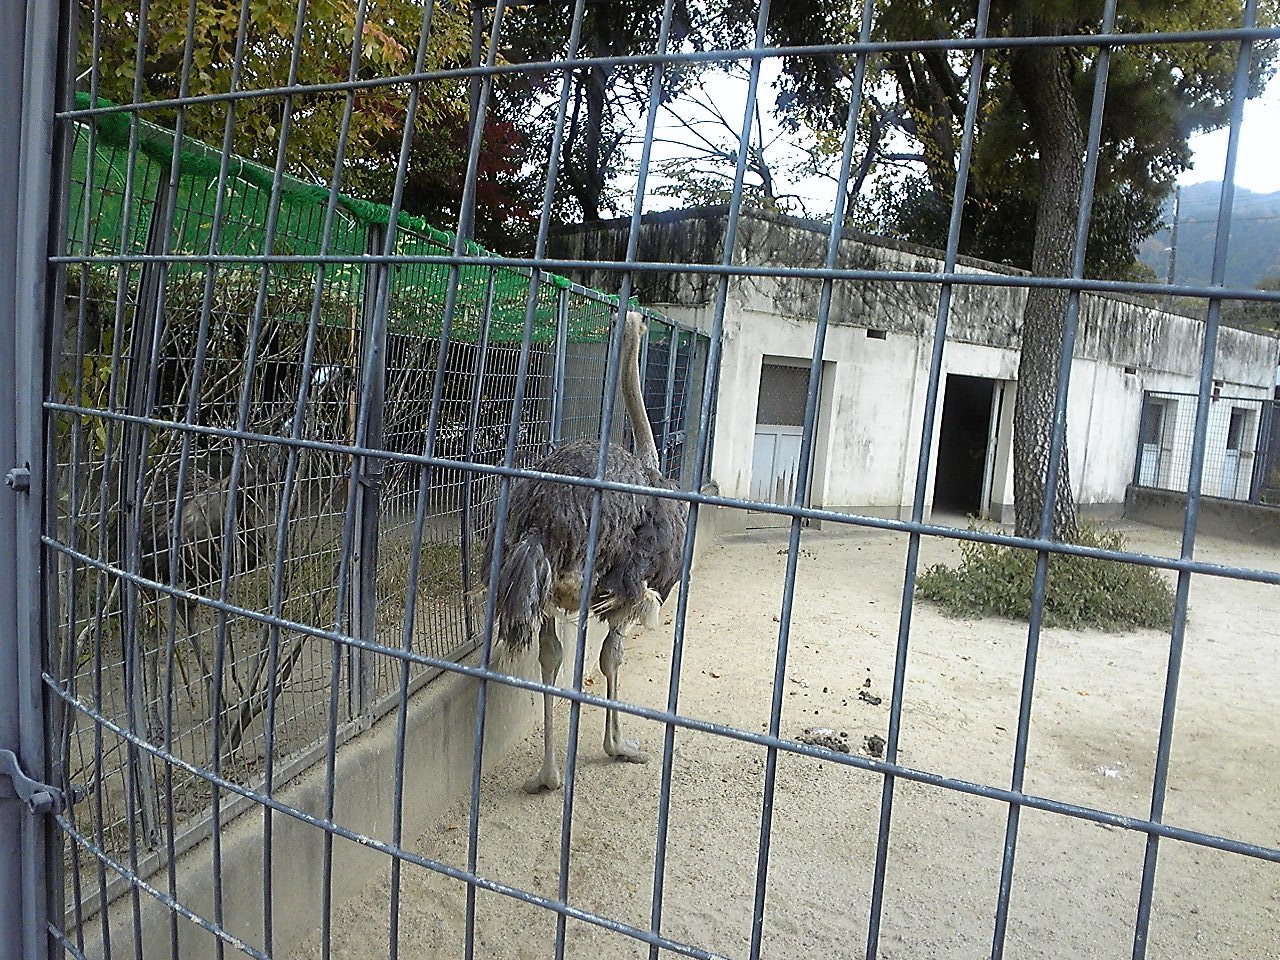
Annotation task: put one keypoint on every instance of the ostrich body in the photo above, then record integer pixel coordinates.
(639, 548)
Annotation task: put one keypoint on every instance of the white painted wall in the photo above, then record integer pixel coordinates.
(876, 389)
(873, 411)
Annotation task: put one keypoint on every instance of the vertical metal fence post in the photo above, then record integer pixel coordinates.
(557, 377)
(1195, 477)
(1262, 452)
(29, 864)
(705, 369)
(673, 351)
(15, 825)
(466, 519)
(364, 579)
(132, 477)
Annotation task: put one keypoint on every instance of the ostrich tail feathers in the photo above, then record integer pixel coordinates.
(524, 588)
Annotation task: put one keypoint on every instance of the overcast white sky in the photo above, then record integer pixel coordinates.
(1258, 161)
(1257, 165)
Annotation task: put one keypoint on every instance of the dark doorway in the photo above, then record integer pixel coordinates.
(962, 444)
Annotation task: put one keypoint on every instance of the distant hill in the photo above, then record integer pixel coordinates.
(1254, 249)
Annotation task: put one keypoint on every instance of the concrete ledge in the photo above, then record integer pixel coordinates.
(1250, 522)
(437, 769)
(1096, 511)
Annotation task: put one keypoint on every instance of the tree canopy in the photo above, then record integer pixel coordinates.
(389, 41)
(1157, 96)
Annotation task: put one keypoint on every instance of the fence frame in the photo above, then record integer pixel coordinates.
(363, 705)
(26, 642)
(36, 48)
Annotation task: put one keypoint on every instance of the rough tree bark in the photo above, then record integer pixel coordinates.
(586, 176)
(1042, 76)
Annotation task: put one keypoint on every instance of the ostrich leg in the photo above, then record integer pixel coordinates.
(550, 653)
(610, 661)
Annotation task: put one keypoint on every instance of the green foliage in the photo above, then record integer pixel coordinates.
(1157, 96)
(389, 41)
(993, 580)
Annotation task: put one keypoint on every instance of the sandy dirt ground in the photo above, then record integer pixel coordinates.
(1093, 740)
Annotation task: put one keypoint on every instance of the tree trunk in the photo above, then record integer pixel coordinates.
(1043, 80)
(580, 166)
(591, 187)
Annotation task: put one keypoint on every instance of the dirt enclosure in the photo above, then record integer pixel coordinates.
(1093, 739)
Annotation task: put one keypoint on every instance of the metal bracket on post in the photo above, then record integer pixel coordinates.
(39, 797)
(18, 479)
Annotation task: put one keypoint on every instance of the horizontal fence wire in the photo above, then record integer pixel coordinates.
(316, 326)
(292, 432)
(1154, 37)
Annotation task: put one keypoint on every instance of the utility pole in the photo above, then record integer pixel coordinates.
(1173, 234)
(1173, 244)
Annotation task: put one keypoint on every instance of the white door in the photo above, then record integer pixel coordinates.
(775, 456)
(1231, 461)
(775, 464)
(1230, 474)
(1153, 429)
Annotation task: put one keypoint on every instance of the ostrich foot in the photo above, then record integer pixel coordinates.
(548, 778)
(625, 750)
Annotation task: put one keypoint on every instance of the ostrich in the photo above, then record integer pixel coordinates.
(544, 550)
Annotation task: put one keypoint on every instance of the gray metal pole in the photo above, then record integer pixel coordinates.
(133, 478)
(373, 337)
(466, 520)
(558, 370)
(1262, 452)
(673, 351)
(29, 59)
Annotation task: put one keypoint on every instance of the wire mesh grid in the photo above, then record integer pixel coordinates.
(1240, 445)
(260, 411)
(217, 364)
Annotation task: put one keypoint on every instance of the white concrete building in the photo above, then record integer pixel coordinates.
(876, 368)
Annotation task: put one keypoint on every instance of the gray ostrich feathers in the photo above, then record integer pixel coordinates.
(639, 549)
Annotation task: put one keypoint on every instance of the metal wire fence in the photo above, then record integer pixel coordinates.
(1241, 446)
(197, 494)
(278, 425)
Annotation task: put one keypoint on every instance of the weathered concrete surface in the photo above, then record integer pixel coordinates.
(877, 353)
(437, 769)
(1116, 330)
(1250, 522)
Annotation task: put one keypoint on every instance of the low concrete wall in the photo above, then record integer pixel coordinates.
(1252, 522)
(437, 770)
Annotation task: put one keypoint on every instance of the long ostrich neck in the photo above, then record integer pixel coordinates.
(632, 395)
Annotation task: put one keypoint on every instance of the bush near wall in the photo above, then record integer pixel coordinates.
(993, 580)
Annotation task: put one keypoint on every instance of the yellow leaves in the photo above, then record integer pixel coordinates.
(383, 48)
(388, 45)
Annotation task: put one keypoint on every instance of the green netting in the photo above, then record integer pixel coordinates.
(111, 215)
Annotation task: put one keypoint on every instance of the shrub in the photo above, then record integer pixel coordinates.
(1081, 591)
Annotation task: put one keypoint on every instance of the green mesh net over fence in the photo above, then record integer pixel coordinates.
(120, 178)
